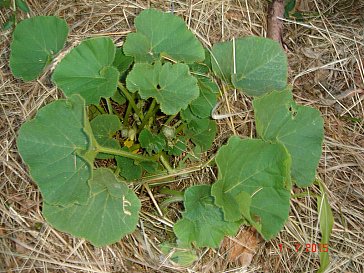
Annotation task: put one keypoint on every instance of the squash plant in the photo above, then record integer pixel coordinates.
(136, 107)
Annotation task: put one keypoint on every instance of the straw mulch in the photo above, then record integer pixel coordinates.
(326, 55)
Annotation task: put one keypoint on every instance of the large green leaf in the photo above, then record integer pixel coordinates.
(203, 222)
(87, 70)
(299, 128)
(260, 63)
(162, 34)
(49, 145)
(110, 213)
(263, 171)
(35, 42)
(170, 84)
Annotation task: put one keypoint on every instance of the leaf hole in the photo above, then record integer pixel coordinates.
(158, 87)
(293, 112)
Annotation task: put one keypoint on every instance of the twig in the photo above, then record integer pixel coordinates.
(274, 24)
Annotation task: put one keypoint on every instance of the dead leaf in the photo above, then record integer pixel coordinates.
(305, 5)
(241, 249)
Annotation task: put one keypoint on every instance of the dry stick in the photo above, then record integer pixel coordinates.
(274, 24)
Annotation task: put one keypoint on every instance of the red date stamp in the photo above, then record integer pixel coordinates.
(305, 247)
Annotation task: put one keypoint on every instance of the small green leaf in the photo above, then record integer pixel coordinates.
(151, 142)
(5, 3)
(35, 42)
(104, 128)
(289, 6)
(161, 34)
(203, 105)
(110, 213)
(128, 169)
(207, 60)
(9, 23)
(149, 166)
(22, 5)
(177, 146)
(261, 170)
(326, 221)
(171, 85)
(122, 62)
(180, 255)
(299, 128)
(118, 97)
(187, 115)
(202, 132)
(199, 70)
(260, 63)
(202, 222)
(87, 70)
(49, 145)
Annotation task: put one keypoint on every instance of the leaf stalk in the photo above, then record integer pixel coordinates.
(148, 115)
(127, 154)
(131, 100)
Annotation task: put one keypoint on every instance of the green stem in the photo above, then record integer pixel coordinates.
(131, 100)
(174, 199)
(170, 119)
(127, 154)
(127, 114)
(177, 124)
(171, 192)
(148, 115)
(165, 163)
(100, 109)
(109, 106)
(180, 128)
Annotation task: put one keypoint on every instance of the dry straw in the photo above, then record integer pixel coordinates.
(326, 56)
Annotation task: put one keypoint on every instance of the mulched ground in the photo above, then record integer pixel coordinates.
(325, 52)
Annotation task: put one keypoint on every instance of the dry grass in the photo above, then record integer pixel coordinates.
(326, 62)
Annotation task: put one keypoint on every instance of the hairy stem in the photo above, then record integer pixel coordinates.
(148, 115)
(122, 153)
(171, 192)
(131, 100)
(127, 114)
(165, 163)
(168, 121)
(109, 106)
(180, 128)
